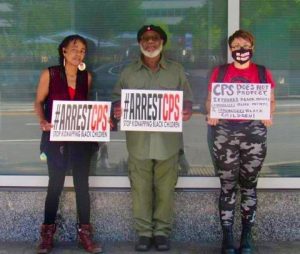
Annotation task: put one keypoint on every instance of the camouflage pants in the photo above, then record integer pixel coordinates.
(239, 150)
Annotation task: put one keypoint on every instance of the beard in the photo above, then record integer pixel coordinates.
(152, 54)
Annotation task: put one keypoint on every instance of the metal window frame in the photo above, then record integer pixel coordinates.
(233, 21)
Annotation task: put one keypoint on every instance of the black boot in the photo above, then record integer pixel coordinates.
(227, 244)
(162, 243)
(143, 244)
(246, 240)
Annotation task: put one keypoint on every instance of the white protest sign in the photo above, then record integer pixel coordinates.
(151, 110)
(244, 101)
(80, 121)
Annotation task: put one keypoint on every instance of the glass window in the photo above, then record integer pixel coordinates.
(30, 32)
(276, 26)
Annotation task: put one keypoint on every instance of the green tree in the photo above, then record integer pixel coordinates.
(208, 25)
(276, 26)
(105, 19)
(37, 18)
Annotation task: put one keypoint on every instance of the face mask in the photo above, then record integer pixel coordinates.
(152, 54)
(242, 55)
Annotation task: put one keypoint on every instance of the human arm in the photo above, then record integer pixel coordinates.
(41, 95)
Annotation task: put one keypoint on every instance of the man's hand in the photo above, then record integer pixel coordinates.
(187, 110)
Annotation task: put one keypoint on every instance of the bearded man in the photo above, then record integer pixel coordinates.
(153, 156)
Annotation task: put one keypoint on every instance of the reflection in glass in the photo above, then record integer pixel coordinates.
(277, 47)
(197, 32)
(31, 33)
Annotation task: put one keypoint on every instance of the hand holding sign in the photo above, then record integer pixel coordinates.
(117, 110)
(45, 125)
(212, 121)
(187, 110)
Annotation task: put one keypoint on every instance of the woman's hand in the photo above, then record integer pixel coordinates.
(267, 123)
(212, 121)
(45, 125)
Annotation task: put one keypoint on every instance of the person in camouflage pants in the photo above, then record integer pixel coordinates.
(239, 151)
(239, 145)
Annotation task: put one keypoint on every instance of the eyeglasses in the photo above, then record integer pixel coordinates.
(154, 38)
(238, 47)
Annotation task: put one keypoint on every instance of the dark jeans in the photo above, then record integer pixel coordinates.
(62, 156)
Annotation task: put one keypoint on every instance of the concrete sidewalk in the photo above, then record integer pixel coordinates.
(127, 248)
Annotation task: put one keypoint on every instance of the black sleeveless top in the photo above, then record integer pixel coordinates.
(58, 88)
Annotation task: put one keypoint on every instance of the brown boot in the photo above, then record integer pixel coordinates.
(85, 239)
(47, 234)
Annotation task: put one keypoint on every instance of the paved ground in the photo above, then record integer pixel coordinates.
(127, 248)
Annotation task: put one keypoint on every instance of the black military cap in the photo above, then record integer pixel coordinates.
(154, 28)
